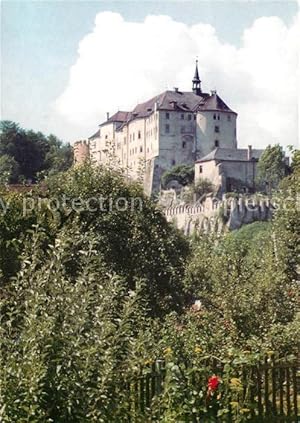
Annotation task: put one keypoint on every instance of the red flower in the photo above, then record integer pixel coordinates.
(213, 383)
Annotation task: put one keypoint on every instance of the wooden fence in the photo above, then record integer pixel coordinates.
(273, 396)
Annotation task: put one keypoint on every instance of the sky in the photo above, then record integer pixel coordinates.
(64, 64)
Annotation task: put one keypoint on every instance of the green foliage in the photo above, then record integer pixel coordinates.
(135, 243)
(203, 186)
(92, 296)
(66, 340)
(271, 167)
(31, 153)
(183, 174)
(243, 276)
(9, 170)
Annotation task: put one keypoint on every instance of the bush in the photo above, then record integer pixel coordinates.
(183, 174)
(203, 186)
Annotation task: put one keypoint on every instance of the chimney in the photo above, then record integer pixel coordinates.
(107, 115)
(249, 156)
(176, 89)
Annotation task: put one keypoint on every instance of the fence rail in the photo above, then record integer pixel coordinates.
(274, 392)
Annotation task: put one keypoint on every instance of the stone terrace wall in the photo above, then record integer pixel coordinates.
(220, 215)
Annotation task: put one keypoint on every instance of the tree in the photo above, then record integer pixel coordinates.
(271, 167)
(133, 238)
(9, 170)
(183, 174)
(33, 152)
(203, 186)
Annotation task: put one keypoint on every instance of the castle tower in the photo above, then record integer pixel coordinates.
(196, 81)
(81, 151)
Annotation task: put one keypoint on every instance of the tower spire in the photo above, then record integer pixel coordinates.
(196, 81)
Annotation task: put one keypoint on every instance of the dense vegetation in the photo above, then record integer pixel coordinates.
(271, 167)
(183, 174)
(90, 295)
(26, 155)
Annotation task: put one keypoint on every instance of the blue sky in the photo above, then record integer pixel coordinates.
(39, 45)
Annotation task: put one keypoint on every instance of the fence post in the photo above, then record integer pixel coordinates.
(288, 393)
(259, 395)
(267, 407)
(274, 405)
(281, 390)
(295, 390)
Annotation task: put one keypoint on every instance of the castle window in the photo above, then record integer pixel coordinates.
(217, 129)
(183, 144)
(139, 135)
(216, 143)
(141, 149)
(189, 117)
(218, 117)
(200, 169)
(182, 116)
(106, 136)
(195, 117)
(182, 129)
(228, 118)
(167, 128)
(167, 115)
(215, 117)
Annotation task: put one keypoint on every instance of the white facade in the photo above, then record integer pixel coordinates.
(170, 129)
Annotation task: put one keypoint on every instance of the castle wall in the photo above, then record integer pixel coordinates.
(210, 170)
(242, 171)
(176, 144)
(207, 124)
(219, 216)
(220, 173)
(81, 151)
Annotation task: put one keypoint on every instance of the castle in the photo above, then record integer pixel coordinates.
(174, 128)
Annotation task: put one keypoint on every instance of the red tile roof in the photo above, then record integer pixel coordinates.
(184, 101)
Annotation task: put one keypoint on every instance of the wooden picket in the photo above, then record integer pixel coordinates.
(274, 390)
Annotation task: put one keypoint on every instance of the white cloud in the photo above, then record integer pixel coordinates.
(121, 63)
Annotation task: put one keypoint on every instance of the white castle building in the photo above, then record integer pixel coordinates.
(171, 128)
